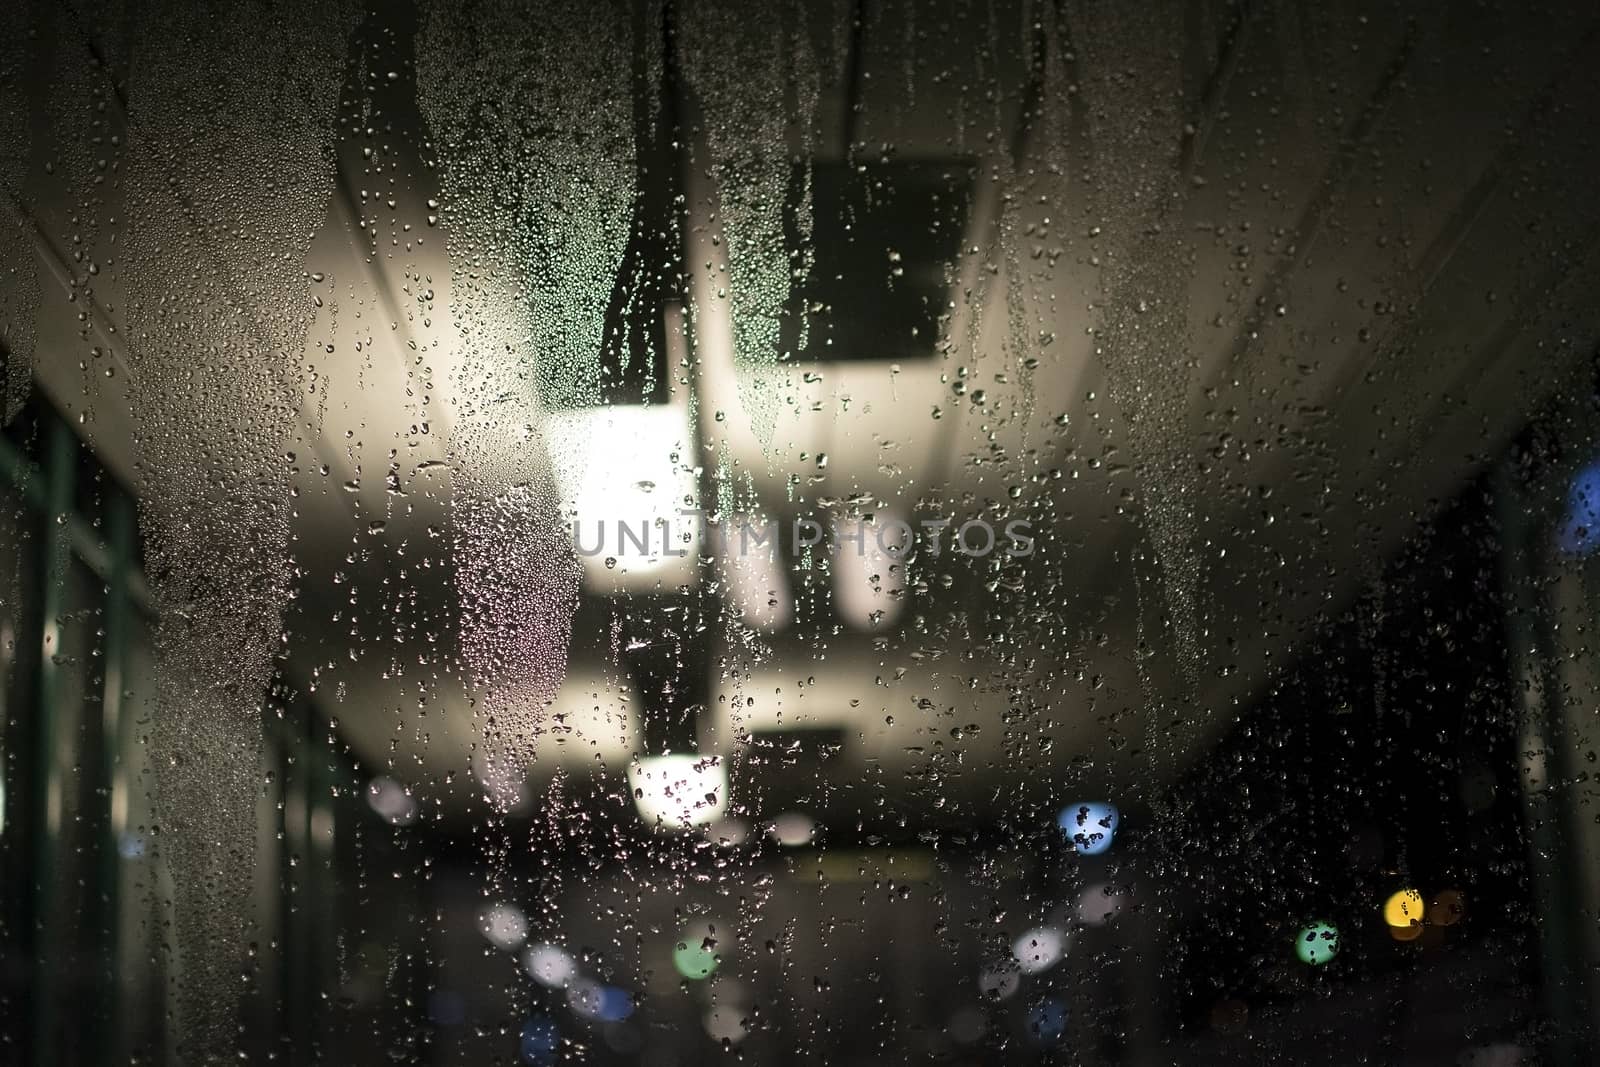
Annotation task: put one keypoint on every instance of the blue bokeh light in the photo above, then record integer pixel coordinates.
(540, 1040)
(446, 1008)
(602, 1003)
(1091, 826)
(1047, 1021)
(1579, 534)
(615, 1004)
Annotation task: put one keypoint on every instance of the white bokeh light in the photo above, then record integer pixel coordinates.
(678, 791)
(1040, 949)
(549, 965)
(504, 925)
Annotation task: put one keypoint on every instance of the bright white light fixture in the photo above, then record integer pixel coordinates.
(626, 473)
(678, 791)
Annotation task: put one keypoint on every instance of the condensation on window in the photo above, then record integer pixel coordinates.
(882, 531)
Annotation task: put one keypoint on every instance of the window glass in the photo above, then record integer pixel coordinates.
(952, 531)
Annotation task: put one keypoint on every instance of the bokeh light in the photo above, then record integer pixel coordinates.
(1405, 933)
(540, 1040)
(504, 925)
(599, 1002)
(1000, 981)
(446, 1008)
(549, 965)
(390, 800)
(1317, 943)
(1580, 526)
(1100, 903)
(1039, 949)
(727, 1022)
(967, 1025)
(793, 829)
(1047, 1021)
(1404, 908)
(678, 791)
(1090, 826)
(695, 955)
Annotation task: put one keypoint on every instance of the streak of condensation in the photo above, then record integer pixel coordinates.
(1136, 129)
(19, 277)
(1005, 242)
(230, 124)
(739, 68)
(532, 110)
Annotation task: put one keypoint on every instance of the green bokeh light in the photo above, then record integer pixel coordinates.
(1317, 943)
(693, 959)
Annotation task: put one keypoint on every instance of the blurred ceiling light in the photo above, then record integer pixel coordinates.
(504, 925)
(869, 569)
(1404, 909)
(549, 965)
(793, 829)
(591, 719)
(1091, 826)
(390, 800)
(626, 474)
(680, 790)
(1040, 949)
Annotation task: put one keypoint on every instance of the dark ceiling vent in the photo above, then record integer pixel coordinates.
(884, 238)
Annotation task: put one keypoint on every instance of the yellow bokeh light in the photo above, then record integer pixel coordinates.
(1404, 909)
